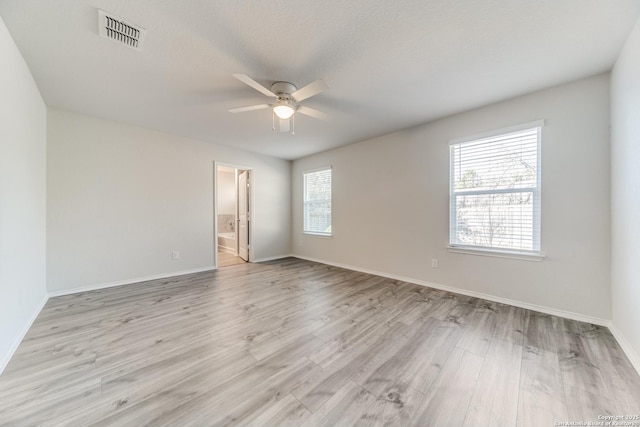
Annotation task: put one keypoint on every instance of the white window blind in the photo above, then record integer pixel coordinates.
(317, 202)
(495, 192)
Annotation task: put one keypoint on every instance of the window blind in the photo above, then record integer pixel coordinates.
(495, 192)
(317, 202)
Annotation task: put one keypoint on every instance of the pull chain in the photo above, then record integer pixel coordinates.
(273, 121)
(293, 124)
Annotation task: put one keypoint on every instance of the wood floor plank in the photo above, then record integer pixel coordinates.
(248, 404)
(447, 401)
(510, 323)
(585, 406)
(541, 331)
(541, 400)
(578, 364)
(41, 406)
(416, 361)
(136, 392)
(611, 364)
(479, 328)
(417, 306)
(351, 405)
(395, 406)
(329, 413)
(495, 398)
(294, 342)
(320, 387)
(287, 412)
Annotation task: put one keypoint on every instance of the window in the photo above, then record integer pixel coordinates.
(317, 202)
(495, 191)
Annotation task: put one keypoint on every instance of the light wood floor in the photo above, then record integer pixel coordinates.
(292, 342)
(225, 259)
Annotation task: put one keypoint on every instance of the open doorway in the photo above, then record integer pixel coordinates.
(232, 215)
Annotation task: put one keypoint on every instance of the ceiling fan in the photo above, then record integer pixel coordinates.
(287, 99)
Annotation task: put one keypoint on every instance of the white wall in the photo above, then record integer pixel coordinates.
(121, 198)
(391, 203)
(23, 124)
(226, 193)
(625, 196)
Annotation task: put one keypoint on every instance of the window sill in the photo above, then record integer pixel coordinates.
(524, 256)
(308, 233)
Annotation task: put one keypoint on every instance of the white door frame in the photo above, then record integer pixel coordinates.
(243, 213)
(252, 205)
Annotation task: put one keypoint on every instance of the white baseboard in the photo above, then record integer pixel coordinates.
(626, 346)
(516, 303)
(272, 258)
(4, 361)
(127, 282)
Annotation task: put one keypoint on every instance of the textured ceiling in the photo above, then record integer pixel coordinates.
(389, 64)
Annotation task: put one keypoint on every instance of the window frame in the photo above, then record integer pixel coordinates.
(304, 201)
(534, 254)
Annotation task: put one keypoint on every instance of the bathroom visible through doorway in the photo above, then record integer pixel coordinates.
(232, 214)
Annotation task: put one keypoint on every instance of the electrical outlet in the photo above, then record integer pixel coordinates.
(434, 262)
(175, 255)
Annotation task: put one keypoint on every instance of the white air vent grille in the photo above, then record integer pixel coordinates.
(119, 30)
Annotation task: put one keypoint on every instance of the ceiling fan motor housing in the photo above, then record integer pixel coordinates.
(283, 88)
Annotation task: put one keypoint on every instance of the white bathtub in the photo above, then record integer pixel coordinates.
(227, 242)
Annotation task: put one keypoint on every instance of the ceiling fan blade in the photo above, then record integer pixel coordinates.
(284, 125)
(254, 84)
(313, 113)
(309, 90)
(250, 108)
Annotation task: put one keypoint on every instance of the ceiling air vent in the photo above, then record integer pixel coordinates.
(119, 30)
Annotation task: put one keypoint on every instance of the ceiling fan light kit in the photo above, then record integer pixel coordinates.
(287, 98)
(283, 109)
